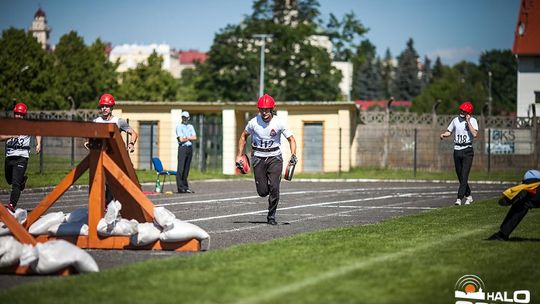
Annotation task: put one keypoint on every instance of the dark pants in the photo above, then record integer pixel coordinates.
(15, 168)
(463, 161)
(185, 153)
(267, 172)
(516, 213)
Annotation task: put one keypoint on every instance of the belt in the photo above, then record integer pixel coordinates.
(265, 150)
(463, 145)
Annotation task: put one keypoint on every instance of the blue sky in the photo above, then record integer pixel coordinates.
(452, 29)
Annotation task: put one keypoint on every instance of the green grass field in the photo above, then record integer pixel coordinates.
(412, 259)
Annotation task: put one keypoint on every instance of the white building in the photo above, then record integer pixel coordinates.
(131, 55)
(527, 50)
(39, 29)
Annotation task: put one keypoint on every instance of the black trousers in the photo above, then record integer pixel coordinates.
(185, 153)
(463, 162)
(267, 172)
(516, 213)
(14, 169)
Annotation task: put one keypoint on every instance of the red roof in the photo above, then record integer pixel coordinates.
(527, 34)
(39, 13)
(367, 104)
(188, 57)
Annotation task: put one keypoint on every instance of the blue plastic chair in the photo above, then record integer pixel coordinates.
(158, 166)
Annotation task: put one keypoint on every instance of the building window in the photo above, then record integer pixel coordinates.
(537, 62)
(537, 96)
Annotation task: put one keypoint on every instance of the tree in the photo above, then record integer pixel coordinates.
(148, 82)
(295, 68)
(387, 74)
(503, 67)
(463, 82)
(367, 79)
(26, 73)
(343, 34)
(406, 83)
(427, 73)
(437, 70)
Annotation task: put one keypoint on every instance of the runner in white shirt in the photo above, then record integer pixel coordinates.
(17, 155)
(267, 161)
(465, 129)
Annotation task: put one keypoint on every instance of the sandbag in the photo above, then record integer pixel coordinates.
(183, 231)
(20, 215)
(56, 255)
(79, 215)
(147, 233)
(164, 217)
(117, 227)
(42, 225)
(68, 229)
(10, 251)
(112, 214)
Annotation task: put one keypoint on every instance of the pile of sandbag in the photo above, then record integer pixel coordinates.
(60, 224)
(49, 257)
(166, 227)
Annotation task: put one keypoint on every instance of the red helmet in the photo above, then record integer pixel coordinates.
(466, 107)
(106, 100)
(266, 102)
(20, 108)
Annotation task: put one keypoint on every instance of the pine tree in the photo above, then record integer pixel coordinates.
(406, 83)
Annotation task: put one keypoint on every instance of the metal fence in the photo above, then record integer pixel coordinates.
(411, 141)
(381, 139)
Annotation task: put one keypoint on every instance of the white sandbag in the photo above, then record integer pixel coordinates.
(117, 227)
(29, 255)
(55, 255)
(20, 215)
(183, 231)
(147, 233)
(112, 213)
(79, 215)
(164, 218)
(67, 229)
(10, 251)
(42, 225)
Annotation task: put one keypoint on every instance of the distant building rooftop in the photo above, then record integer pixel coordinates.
(366, 105)
(189, 57)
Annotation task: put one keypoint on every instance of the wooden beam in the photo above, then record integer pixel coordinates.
(96, 197)
(58, 191)
(18, 231)
(56, 128)
(141, 208)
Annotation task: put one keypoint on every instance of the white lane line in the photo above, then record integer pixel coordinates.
(278, 292)
(381, 207)
(306, 206)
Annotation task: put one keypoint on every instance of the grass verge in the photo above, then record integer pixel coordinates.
(413, 259)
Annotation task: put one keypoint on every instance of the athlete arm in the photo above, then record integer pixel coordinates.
(292, 144)
(445, 134)
(5, 137)
(473, 131)
(241, 145)
(38, 144)
(134, 137)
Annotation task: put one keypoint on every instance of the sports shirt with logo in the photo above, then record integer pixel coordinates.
(463, 138)
(18, 146)
(267, 136)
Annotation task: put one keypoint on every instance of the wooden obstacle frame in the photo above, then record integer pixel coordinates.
(108, 163)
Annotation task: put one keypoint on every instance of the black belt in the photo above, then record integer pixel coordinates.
(265, 150)
(19, 148)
